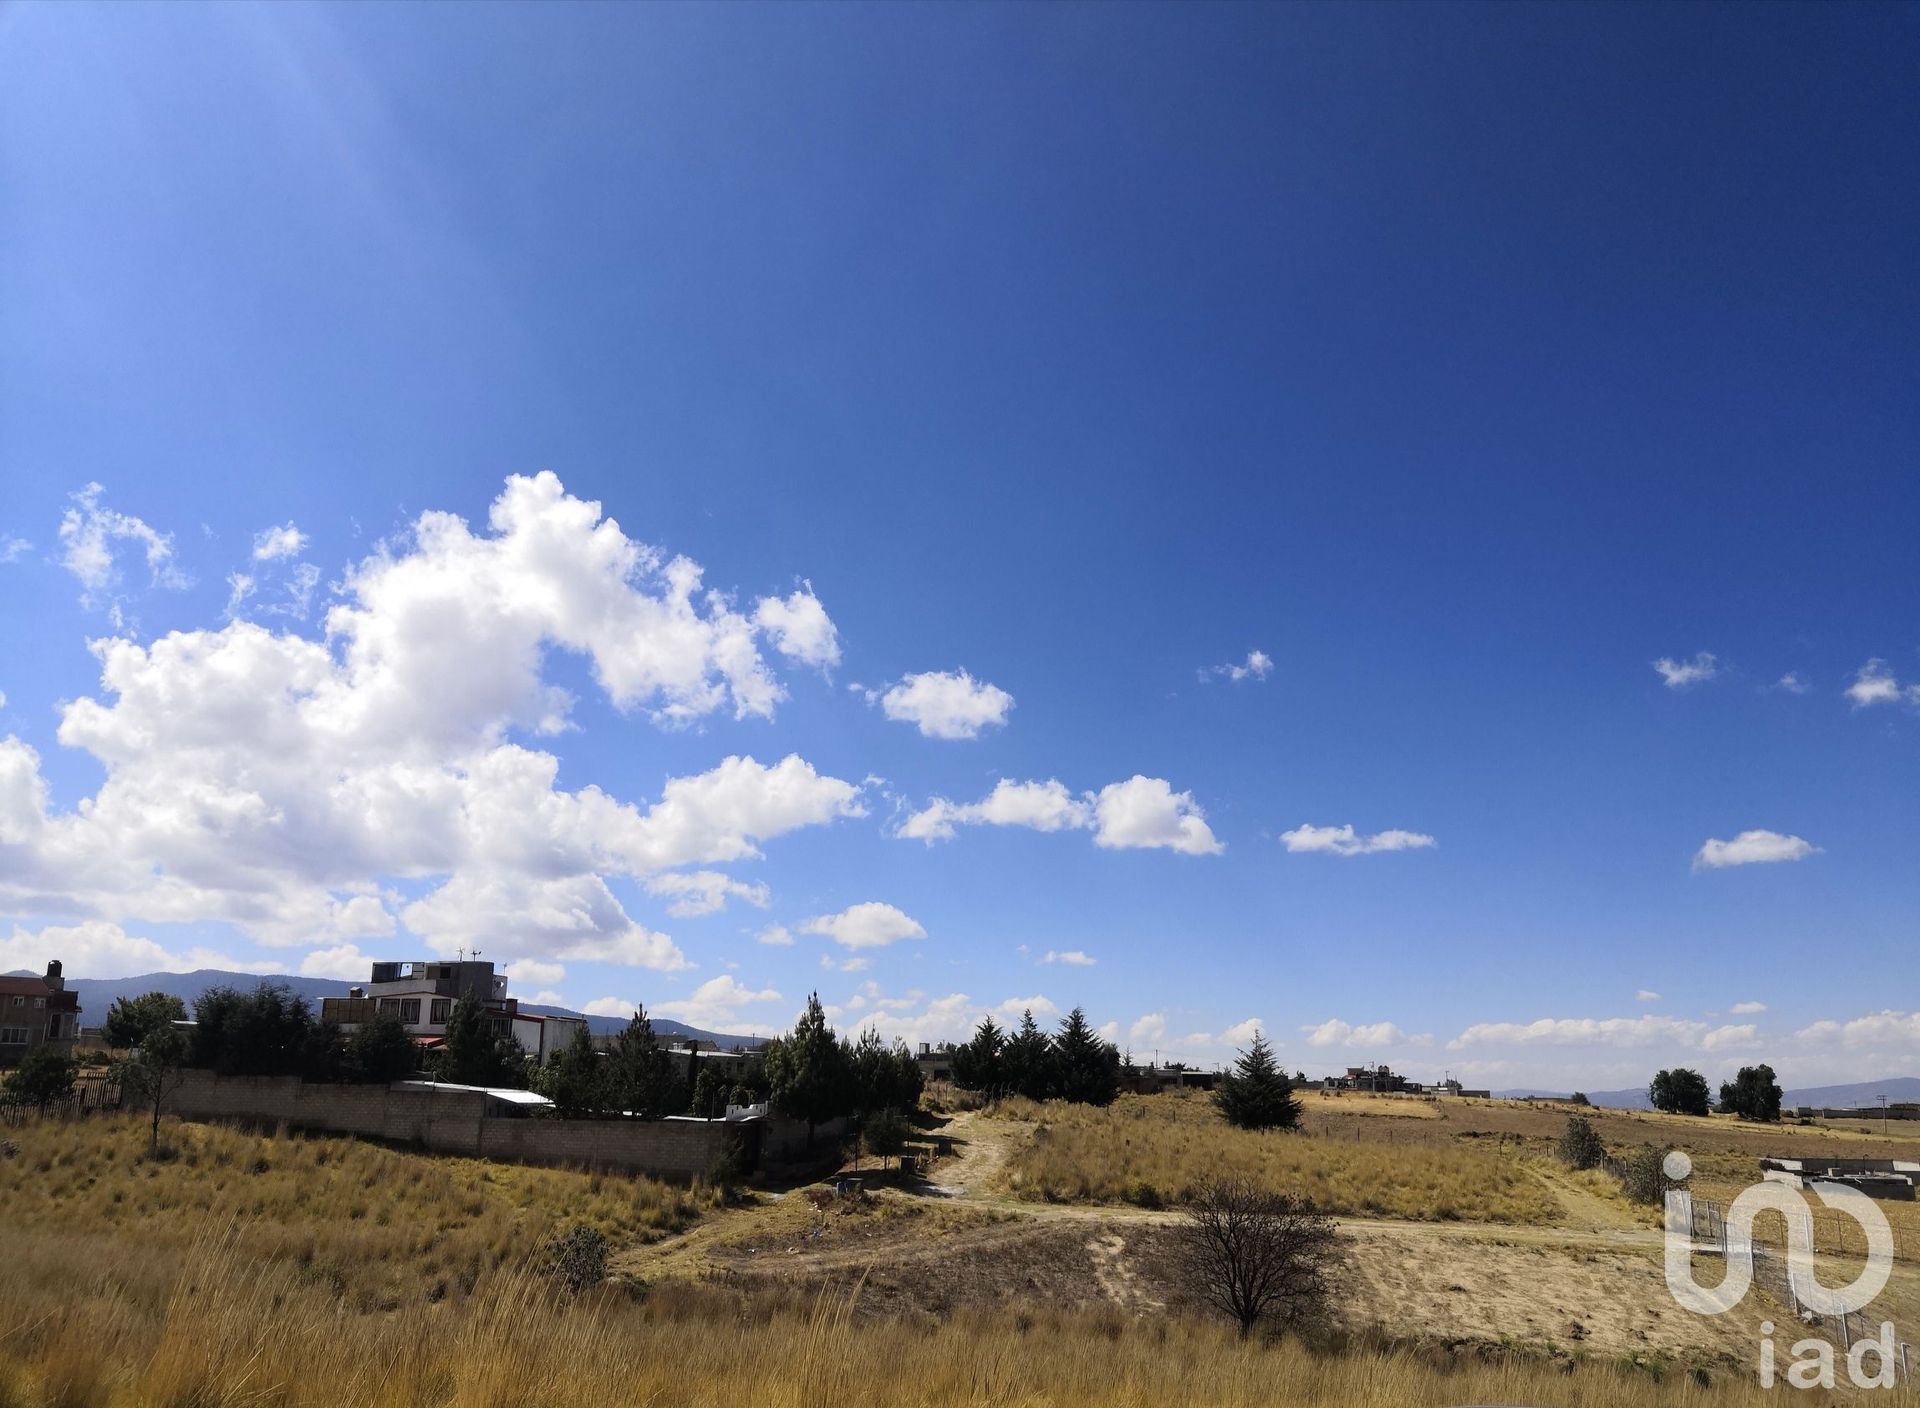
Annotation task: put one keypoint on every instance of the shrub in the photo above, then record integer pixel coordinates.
(1580, 1146)
(1257, 1255)
(577, 1258)
(1643, 1176)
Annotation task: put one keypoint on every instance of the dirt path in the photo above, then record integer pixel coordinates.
(982, 1145)
(1583, 1208)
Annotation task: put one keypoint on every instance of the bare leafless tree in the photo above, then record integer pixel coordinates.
(1258, 1255)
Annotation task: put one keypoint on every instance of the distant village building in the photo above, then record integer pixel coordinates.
(422, 995)
(1380, 1080)
(1383, 1080)
(37, 1012)
(935, 1062)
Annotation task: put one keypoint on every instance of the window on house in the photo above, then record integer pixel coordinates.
(410, 1010)
(39, 1002)
(19, 1000)
(442, 1009)
(13, 1036)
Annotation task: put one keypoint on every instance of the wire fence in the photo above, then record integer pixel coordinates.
(1705, 1223)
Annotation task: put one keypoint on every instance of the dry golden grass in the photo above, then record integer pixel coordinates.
(230, 1330)
(239, 1273)
(382, 1226)
(1172, 1143)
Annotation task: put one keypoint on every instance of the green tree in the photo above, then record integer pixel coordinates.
(381, 1050)
(1753, 1094)
(43, 1077)
(884, 1135)
(153, 1072)
(479, 1050)
(980, 1064)
(640, 1077)
(1679, 1092)
(871, 1065)
(1086, 1066)
(1256, 1093)
(267, 1032)
(131, 1018)
(575, 1079)
(884, 1077)
(711, 1091)
(808, 1071)
(1028, 1061)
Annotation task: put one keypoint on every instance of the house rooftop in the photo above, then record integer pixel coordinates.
(498, 1092)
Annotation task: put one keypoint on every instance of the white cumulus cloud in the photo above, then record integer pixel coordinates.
(947, 704)
(1072, 957)
(89, 532)
(1138, 813)
(1145, 812)
(1345, 841)
(1335, 1032)
(1683, 674)
(799, 627)
(1624, 1032)
(869, 925)
(1875, 684)
(1257, 666)
(98, 949)
(1752, 848)
(285, 540)
(694, 892)
(280, 784)
(715, 1003)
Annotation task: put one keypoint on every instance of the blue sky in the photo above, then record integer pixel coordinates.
(1461, 361)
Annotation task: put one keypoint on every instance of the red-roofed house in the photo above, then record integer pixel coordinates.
(37, 1012)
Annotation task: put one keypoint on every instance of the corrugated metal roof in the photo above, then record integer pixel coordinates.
(511, 1096)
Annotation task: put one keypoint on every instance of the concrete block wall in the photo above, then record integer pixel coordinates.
(456, 1122)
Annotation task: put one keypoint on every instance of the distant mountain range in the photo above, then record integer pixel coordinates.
(1861, 1095)
(98, 994)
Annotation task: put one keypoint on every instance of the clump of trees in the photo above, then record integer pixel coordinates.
(1258, 1256)
(1076, 1063)
(1256, 1093)
(1753, 1094)
(634, 1078)
(815, 1075)
(1679, 1091)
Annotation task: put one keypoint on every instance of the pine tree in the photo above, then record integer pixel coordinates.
(639, 1073)
(981, 1064)
(1256, 1093)
(808, 1070)
(575, 1079)
(1086, 1067)
(1029, 1061)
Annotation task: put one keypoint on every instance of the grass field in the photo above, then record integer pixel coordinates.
(325, 1273)
(1148, 1147)
(382, 1227)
